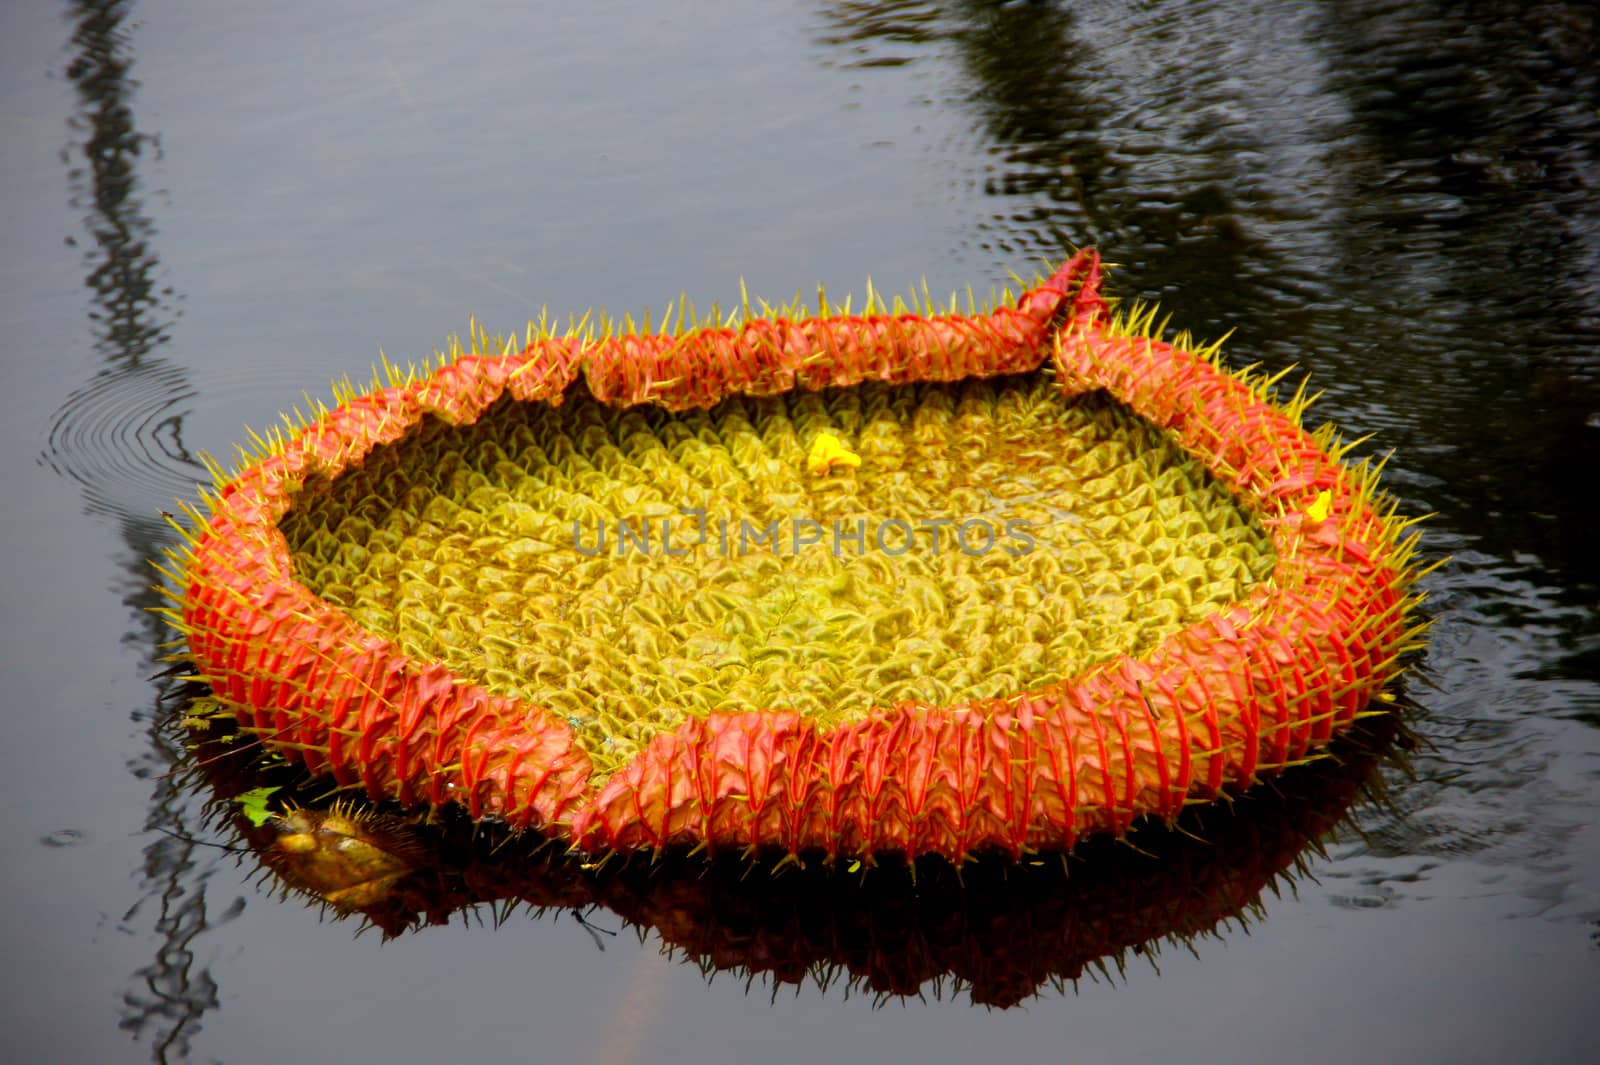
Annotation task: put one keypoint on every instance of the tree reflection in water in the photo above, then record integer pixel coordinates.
(1401, 198)
(119, 438)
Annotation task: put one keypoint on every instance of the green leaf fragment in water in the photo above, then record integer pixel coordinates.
(254, 805)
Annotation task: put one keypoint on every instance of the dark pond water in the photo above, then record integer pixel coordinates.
(209, 209)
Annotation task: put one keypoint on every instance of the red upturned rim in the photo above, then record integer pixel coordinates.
(1262, 684)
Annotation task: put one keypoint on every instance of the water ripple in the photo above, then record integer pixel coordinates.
(120, 437)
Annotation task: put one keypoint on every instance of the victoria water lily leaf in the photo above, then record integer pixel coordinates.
(931, 583)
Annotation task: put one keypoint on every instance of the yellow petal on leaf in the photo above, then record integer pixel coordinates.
(1318, 511)
(828, 451)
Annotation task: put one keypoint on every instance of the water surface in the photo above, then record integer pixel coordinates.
(212, 210)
